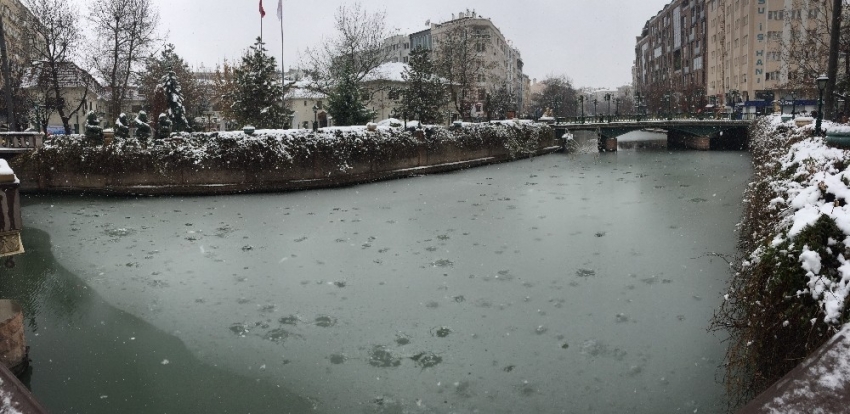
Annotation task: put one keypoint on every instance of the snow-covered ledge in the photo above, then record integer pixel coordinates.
(275, 160)
(821, 384)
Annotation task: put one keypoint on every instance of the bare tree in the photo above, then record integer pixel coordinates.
(359, 43)
(806, 46)
(224, 89)
(557, 95)
(461, 62)
(56, 38)
(125, 35)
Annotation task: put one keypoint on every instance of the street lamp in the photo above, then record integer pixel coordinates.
(793, 104)
(608, 99)
(617, 111)
(315, 118)
(638, 103)
(821, 82)
(595, 101)
(581, 98)
(669, 107)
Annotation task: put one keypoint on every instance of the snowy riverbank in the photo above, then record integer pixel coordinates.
(790, 290)
(272, 160)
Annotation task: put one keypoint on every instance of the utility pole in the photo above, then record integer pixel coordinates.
(832, 67)
(7, 78)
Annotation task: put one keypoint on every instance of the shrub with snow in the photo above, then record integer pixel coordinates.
(275, 149)
(790, 290)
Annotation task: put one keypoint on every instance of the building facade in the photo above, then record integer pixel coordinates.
(669, 71)
(726, 55)
(748, 69)
(501, 63)
(78, 90)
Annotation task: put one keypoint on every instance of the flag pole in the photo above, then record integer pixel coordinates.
(282, 67)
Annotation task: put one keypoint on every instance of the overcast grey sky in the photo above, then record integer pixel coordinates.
(590, 41)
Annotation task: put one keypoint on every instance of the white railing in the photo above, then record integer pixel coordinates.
(21, 140)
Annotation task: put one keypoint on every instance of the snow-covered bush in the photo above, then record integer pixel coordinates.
(336, 148)
(789, 291)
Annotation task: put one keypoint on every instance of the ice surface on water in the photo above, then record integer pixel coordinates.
(521, 287)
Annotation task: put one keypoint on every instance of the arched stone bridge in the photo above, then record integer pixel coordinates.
(700, 134)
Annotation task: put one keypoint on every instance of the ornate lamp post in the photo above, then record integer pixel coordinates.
(821, 82)
(555, 103)
(638, 102)
(608, 99)
(793, 104)
(617, 107)
(669, 107)
(595, 101)
(315, 118)
(581, 98)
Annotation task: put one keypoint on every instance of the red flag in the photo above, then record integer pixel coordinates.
(262, 10)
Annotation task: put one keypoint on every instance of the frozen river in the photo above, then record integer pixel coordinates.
(563, 284)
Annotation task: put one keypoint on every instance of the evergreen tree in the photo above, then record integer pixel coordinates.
(258, 95)
(500, 103)
(169, 87)
(150, 79)
(344, 101)
(424, 94)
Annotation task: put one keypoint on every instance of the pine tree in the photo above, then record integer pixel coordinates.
(150, 79)
(169, 87)
(344, 101)
(258, 96)
(424, 95)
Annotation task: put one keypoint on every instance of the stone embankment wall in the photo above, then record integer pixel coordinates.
(273, 160)
(789, 288)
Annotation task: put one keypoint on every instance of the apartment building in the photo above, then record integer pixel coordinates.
(501, 62)
(15, 15)
(670, 58)
(748, 68)
(397, 49)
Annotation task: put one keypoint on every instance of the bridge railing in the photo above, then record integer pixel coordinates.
(21, 140)
(603, 119)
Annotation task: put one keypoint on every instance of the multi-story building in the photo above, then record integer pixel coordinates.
(397, 49)
(669, 71)
(747, 67)
(501, 62)
(15, 15)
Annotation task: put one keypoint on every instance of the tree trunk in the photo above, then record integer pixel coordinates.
(832, 68)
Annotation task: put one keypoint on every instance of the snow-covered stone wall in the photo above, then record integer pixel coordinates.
(270, 160)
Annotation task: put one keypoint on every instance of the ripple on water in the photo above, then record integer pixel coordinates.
(585, 273)
(324, 321)
(426, 359)
(289, 320)
(441, 332)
